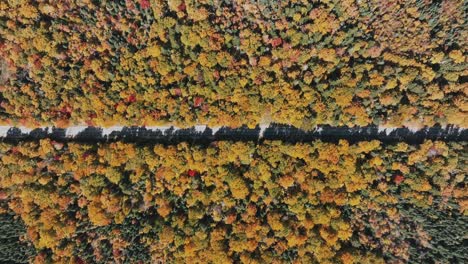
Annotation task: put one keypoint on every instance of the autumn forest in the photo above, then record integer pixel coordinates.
(235, 64)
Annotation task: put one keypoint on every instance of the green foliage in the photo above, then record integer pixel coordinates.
(445, 227)
(13, 249)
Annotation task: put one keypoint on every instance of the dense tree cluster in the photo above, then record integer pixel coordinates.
(242, 62)
(145, 62)
(236, 201)
(14, 248)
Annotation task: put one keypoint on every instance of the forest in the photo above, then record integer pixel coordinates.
(238, 202)
(242, 62)
(301, 65)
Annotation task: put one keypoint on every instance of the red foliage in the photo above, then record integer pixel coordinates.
(14, 150)
(178, 91)
(276, 42)
(192, 173)
(66, 109)
(145, 4)
(37, 61)
(181, 7)
(399, 179)
(216, 75)
(3, 195)
(197, 102)
(116, 253)
(131, 98)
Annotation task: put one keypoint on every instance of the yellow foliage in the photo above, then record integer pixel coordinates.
(28, 11)
(376, 161)
(343, 97)
(164, 208)
(97, 215)
(274, 221)
(113, 175)
(328, 235)
(368, 146)
(238, 188)
(286, 181)
(154, 51)
(457, 56)
(327, 55)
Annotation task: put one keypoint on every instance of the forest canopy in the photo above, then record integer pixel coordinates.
(242, 62)
(239, 202)
(235, 64)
